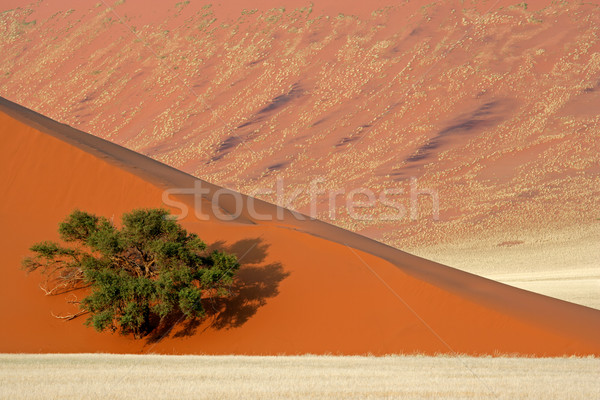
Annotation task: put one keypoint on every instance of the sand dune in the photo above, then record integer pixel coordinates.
(308, 287)
(492, 104)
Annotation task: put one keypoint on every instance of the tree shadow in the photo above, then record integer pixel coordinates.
(254, 285)
(161, 328)
(248, 251)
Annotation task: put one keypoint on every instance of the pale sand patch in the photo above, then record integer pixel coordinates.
(563, 264)
(102, 376)
(580, 286)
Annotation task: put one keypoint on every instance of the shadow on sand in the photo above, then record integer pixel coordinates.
(256, 282)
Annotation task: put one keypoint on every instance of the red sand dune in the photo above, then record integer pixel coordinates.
(308, 287)
(494, 104)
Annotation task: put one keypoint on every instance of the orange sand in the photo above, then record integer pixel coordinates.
(305, 291)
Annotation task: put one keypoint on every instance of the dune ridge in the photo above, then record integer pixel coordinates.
(309, 287)
(492, 104)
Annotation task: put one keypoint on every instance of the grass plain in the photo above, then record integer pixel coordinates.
(108, 376)
(561, 264)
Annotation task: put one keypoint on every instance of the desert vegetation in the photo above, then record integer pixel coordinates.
(509, 131)
(51, 376)
(137, 275)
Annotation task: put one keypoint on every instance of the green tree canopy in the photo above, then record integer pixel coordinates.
(149, 267)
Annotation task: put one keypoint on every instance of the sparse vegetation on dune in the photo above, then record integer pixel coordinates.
(395, 75)
(137, 275)
(47, 377)
(305, 286)
(491, 110)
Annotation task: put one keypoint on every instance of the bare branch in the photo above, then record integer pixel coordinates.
(74, 301)
(50, 292)
(69, 317)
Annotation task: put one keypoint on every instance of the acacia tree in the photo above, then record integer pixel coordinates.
(150, 267)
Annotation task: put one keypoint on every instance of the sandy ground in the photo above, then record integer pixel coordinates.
(304, 287)
(100, 376)
(564, 264)
(494, 105)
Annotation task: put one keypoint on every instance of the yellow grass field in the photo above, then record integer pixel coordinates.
(561, 264)
(104, 376)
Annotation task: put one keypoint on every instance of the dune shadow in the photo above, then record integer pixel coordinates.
(255, 283)
(486, 116)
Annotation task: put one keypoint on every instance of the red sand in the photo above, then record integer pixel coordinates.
(305, 292)
(505, 97)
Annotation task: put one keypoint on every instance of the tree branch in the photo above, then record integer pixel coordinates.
(69, 317)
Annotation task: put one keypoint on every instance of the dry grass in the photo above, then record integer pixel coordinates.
(561, 264)
(101, 376)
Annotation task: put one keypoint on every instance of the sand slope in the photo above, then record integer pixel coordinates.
(492, 104)
(308, 287)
